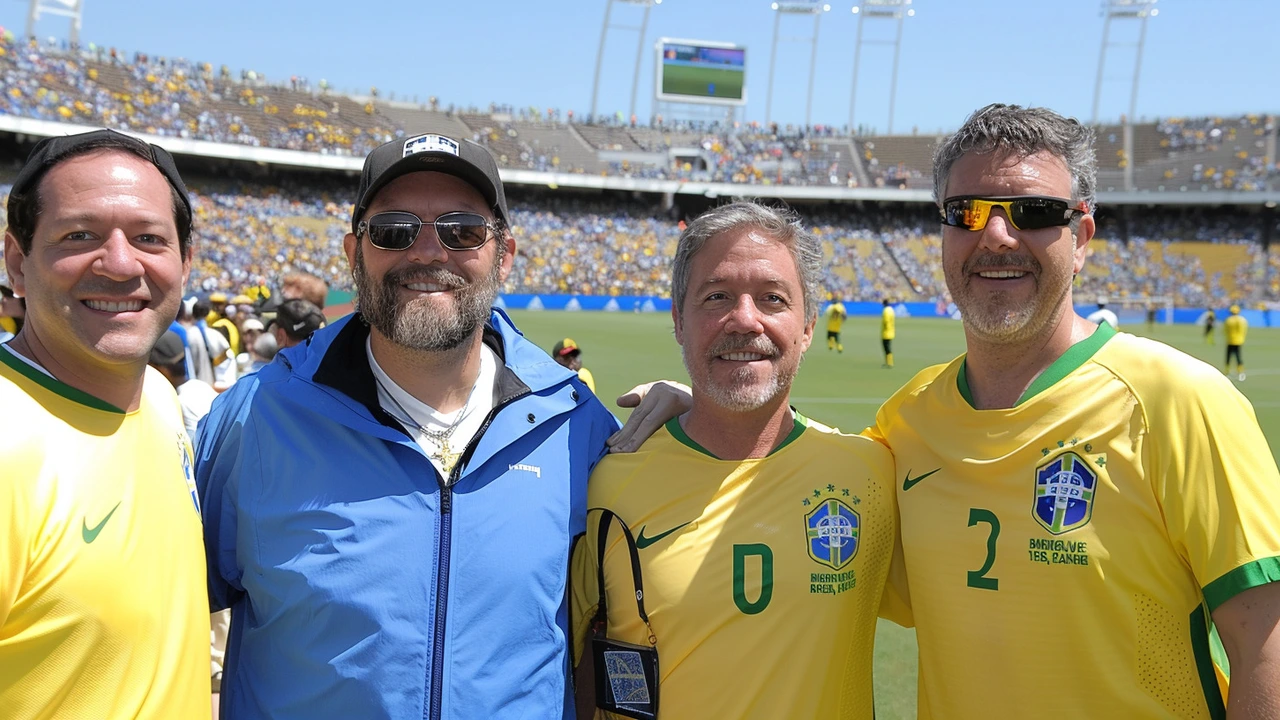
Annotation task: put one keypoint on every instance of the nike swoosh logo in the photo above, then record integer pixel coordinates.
(91, 534)
(909, 482)
(643, 542)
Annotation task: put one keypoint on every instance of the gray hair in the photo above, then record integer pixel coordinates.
(1022, 131)
(782, 225)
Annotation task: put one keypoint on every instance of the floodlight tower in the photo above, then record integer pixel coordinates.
(795, 7)
(898, 10)
(604, 32)
(1124, 10)
(65, 8)
(1140, 10)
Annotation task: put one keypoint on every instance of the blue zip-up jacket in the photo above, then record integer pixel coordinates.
(361, 583)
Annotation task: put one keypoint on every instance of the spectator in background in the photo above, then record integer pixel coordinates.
(103, 595)
(295, 321)
(306, 286)
(567, 353)
(263, 351)
(214, 343)
(196, 397)
(1102, 314)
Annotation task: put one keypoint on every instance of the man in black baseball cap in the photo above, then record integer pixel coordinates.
(99, 244)
(430, 153)
(295, 320)
(439, 438)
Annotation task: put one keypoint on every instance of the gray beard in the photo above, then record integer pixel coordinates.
(416, 324)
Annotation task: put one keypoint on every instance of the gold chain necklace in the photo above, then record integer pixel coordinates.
(445, 454)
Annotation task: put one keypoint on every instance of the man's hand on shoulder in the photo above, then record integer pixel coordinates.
(655, 403)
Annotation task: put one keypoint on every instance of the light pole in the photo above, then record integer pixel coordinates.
(1123, 10)
(794, 8)
(898, 10)
(65, 8)
(604, 32)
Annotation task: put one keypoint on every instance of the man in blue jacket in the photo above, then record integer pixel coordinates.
(388, 508)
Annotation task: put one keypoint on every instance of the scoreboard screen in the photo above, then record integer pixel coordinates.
(701, 72)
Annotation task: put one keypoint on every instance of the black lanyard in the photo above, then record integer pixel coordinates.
(626, 674)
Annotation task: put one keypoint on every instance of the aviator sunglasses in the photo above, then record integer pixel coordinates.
(398, 230)
(1026, 212)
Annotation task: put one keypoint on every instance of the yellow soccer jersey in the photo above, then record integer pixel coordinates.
(1235, 328)
(1063, 555)
(104, 611)
(887, 320)
(762, 577)
(835, 317)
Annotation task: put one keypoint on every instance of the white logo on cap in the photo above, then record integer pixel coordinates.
(429, 143)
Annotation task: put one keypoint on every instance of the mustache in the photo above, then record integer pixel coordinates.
(436, 276)
(745, 343)
(1004, 262)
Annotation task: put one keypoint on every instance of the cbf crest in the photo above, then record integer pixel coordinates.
(1065, 489)
(832, 531)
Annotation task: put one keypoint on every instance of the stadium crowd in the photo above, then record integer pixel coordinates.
(251, 235)
(175, 97)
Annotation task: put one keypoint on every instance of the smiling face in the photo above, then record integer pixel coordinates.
(742, 328)
(104, 275)
(428, 297)
(1012, 285)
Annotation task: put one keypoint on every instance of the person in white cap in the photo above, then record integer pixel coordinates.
(1102, 314)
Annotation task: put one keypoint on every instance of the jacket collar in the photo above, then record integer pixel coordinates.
(344, 366)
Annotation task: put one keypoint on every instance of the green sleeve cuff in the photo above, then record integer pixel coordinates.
(1258, 572)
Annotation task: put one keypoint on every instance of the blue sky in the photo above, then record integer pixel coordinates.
(1202, 57)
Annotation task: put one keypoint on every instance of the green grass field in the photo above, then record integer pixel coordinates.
(844, 390)
(685, 80)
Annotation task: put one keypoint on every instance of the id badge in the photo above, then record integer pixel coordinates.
(626, 678)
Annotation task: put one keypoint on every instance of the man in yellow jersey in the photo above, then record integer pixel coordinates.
(1234, 328)
(887, 332)
(1078, 505)
(836, 316)
(567, 353)
(104, 610)
(763, 538)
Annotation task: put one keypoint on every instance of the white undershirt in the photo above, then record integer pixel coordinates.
(397, 402)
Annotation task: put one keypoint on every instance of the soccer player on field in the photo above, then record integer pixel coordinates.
(103, 605)
(763, 538)
(1078, 505)
(1235, 327)
(887, 332)
(835, 320)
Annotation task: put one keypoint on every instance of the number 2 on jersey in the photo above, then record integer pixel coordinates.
(978, 578)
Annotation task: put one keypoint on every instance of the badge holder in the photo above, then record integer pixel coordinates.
(626, 674)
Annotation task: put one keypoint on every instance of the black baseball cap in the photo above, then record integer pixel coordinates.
(430, 153)
(53, 150)
(168, 350)
(299, 318)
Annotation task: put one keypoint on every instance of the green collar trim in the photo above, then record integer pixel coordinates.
(1074, 357)
(801, 423)
(54, 385)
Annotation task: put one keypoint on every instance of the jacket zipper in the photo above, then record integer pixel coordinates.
(443, 548)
